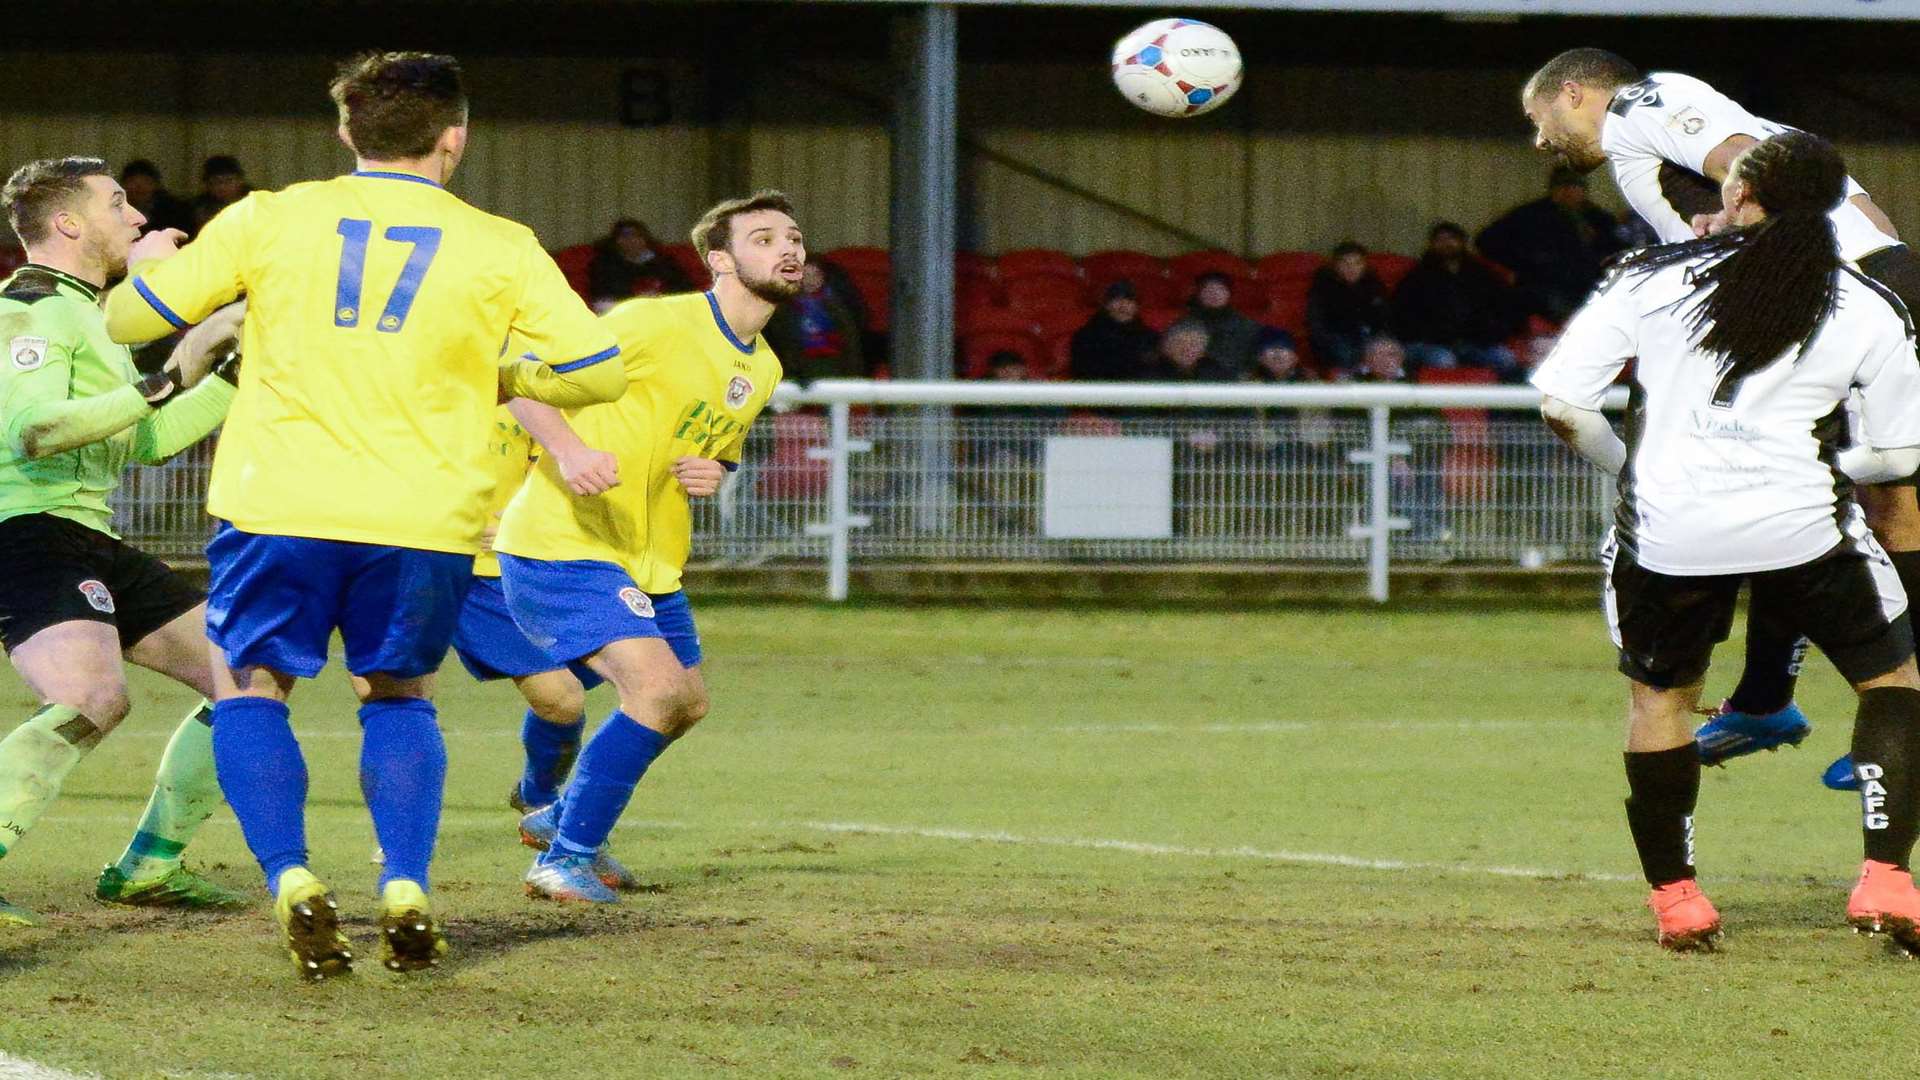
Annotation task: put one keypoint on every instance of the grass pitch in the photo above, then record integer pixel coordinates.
(979, 842)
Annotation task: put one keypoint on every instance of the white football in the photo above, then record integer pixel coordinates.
(1176, 67)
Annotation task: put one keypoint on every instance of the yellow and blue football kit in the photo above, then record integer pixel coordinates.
(485, 638)
(378, 304)
(581, 572)
(352, 480)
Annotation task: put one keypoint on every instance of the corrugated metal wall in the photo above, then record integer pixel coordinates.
(1307, 159)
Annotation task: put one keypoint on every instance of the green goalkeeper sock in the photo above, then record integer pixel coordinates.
(34, 760)
(185, 793)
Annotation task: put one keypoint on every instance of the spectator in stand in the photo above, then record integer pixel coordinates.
(841, 287)
(1346, 309)
(222, 183)
(814, 334)
(1416, 480)
(1555, 246)
(1276, 359)
(1185, 356)
(628, 263)
(1231, 336)
(1452, 310)
(1114, 345)
(145, 193)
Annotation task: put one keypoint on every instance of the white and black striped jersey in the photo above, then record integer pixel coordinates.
(1674, 121)
(1726, 477)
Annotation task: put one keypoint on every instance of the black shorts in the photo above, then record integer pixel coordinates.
(53, 570)
(1848, 602)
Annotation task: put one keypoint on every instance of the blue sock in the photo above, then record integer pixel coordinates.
(551, 750)
(403, 774)
(613, 762)
(264, 779)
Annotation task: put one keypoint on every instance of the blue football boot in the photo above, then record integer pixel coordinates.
(1731, 734)
(567, 878)
(537, 830)
(1839, 775)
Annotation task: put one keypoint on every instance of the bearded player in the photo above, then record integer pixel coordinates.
(591, 549)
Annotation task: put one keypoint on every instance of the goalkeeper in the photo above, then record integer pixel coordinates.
(75, 598)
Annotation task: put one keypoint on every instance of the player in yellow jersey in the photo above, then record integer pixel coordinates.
(491, 648)
(592, 571)
(351, 481)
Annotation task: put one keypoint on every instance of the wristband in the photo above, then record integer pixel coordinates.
(228, 366)
(158, 386)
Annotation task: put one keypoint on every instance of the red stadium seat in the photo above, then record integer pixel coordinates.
(1249, 299)
(789, 473)
(861, 260)
(976, 349)
(1028, 262)
(1288, 312)
(1391, 267)
(689, 260)
(1158, 319)
(1038, 293)
(1184, 268)
(1086, 423)
(981, 320)
(1049, 324)
(1289, 266)
(967, 264)
(970, 294)
(1057, 357)
(876, 291)
(1103, 268)
(573, 262)
(1468, 465)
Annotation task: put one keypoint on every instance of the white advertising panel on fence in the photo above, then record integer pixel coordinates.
(1108, 488)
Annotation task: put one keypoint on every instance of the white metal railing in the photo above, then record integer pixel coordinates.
(863, 472)
(1381, 453)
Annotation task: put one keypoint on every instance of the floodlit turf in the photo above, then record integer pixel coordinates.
(979, 842)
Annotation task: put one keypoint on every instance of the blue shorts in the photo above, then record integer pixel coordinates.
(573, 609)
(275, 601)
(491, 646)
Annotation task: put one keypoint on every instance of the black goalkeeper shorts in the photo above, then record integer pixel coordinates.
(53, 570)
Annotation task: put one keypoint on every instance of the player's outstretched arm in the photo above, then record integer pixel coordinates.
(585, 470)
(567, 387)
(185, 419)
(167, 290)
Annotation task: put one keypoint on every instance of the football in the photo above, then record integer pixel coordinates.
(1176, 67)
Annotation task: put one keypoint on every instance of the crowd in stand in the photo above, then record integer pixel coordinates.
(1468, 309)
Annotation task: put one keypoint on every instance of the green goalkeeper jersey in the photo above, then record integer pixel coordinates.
(71, 417)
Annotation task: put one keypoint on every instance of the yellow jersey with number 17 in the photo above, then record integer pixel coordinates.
(377, 307)
(693, 390)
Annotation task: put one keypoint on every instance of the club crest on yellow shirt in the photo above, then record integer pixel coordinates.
(738, 391)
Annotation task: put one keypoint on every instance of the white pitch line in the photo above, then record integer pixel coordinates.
(1138, 847)
(18, 1068)
(1272, 727)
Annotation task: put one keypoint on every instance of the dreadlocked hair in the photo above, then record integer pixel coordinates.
(1771, 285)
